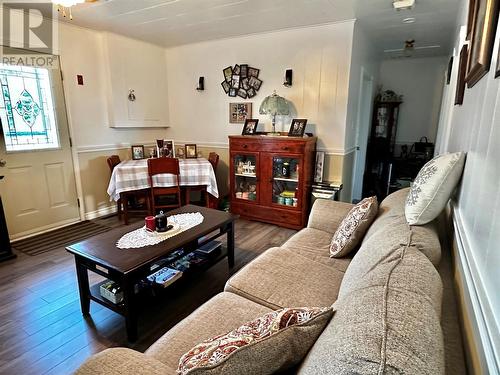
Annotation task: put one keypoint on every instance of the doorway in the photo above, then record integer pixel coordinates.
(38, 189)
(362, 131)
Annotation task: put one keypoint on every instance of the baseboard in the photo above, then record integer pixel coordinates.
(479, 320)
(104, 211)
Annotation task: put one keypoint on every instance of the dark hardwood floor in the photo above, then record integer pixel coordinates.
(42, 330)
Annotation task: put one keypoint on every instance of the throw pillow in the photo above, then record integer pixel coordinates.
(354, 226)
(275, 341)
(432, 188)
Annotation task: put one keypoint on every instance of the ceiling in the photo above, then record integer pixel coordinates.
(175, 22)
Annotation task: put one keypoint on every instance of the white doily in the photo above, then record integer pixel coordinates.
(141, 237)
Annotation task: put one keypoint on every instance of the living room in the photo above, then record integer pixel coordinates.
(133, 72)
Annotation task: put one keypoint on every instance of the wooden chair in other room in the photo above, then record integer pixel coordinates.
(164, 166)
(208, 200)
(122, 203)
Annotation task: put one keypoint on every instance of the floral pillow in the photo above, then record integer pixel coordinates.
(275, 341)
(432, 188)
(354, 226)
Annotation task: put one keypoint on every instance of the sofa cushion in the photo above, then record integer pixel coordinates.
(353, 227)
(432, 187)
(393, 206)
(222, 313)
(273, 342)
(387, 321)
(326, 215)
(281, 277)
(314, 244)
(119, 361)
(379, 239)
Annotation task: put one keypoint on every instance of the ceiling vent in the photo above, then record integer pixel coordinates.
(403, 4)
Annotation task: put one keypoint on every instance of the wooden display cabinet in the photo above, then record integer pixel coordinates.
(271, 178)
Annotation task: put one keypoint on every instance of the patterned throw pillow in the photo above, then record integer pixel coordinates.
(276, 341)
(352, 229)
(432, 188)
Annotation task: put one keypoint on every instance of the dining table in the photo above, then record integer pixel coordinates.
(132, 175)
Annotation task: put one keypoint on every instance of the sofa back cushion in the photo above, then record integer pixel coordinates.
(390, 229)
(387, 319)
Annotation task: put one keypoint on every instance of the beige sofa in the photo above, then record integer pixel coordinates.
(387, 300)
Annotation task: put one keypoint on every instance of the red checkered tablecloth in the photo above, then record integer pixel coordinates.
(133, 175)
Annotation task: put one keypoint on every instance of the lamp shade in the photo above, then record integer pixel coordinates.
(274, 105)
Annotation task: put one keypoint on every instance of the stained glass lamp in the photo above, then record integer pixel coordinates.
(274, 105)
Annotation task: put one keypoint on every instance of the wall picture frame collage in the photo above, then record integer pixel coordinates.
(241, 80)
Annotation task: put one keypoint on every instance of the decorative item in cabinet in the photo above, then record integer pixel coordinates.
(271, 178)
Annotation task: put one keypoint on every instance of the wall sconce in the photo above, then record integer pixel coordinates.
(131, 95)
(201, 84)
(288, 78)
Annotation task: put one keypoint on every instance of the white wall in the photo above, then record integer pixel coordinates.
(319, 57)
(82, 52)
(363, 57)
(420, 80)
(474, 127)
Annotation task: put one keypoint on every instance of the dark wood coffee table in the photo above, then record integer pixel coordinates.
(127, 267)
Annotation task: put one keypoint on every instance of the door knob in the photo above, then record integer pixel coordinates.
(2, 163)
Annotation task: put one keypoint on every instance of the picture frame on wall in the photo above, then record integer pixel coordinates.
(497, 73)
(483, 27)
(239, 112)
(462, 70)
(250, 127)
(233, 92)
(320, 162)
(297, 128)
(225, 86)
(190, 151)
(137, 152)
(448, 73)
(228, 74)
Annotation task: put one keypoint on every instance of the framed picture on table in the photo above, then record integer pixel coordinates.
(168, 148)
(297, 128)
(137, 152)
(250, 126)
(190, 151)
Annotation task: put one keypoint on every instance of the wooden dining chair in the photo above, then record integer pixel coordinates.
(164, 166)
(213, 158)
(122, 205)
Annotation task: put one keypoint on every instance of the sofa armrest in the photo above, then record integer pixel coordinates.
(326, 215)
(123, 361)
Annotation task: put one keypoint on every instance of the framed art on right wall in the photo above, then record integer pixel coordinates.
(483, 23)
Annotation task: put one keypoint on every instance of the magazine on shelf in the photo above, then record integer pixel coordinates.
(209, 248)
(165, 276)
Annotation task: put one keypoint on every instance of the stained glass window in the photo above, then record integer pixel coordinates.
(27, 109)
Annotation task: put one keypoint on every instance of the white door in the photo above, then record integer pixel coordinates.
(38, 189)
(363, 122)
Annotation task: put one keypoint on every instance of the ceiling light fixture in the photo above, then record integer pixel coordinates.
(64, 6)
(409, 20)
(403, 4)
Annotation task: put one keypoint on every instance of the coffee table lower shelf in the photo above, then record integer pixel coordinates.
(145, 297)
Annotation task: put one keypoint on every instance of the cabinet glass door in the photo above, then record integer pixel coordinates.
(285, 181)
(245, 177)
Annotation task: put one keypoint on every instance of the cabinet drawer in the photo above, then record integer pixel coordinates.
(244, 145)
(285, 147)
(268, 214)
